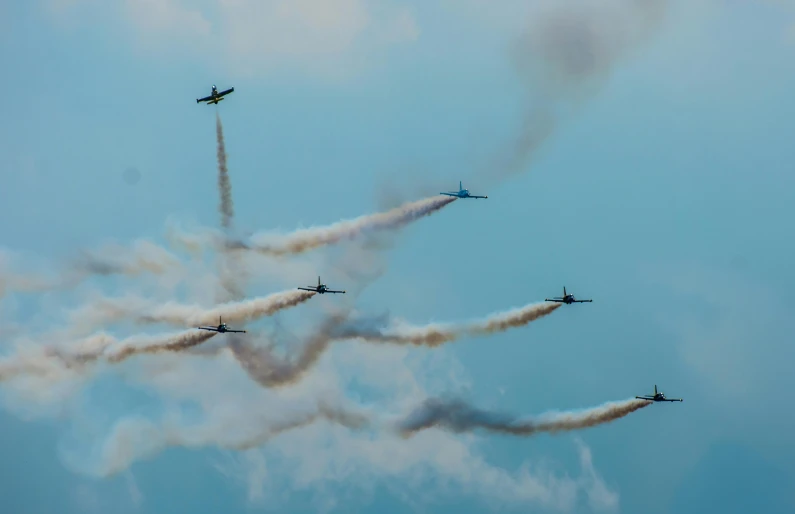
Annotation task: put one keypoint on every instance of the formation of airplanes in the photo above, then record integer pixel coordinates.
(320, 288)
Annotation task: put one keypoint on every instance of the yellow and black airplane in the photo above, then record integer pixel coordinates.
(215, 96)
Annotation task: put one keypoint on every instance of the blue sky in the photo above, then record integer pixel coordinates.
(664, 193)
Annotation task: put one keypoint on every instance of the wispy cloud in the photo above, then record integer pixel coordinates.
(330, 39)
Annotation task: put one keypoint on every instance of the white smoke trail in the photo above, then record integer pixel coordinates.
(458, 416)
(133, 439)
(307, 239)
(438, 334)
(111, 259)
(54, 360)
(142, 311)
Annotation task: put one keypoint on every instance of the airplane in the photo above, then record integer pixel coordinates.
(215, 96)
(566, 298)
(320, 288)
(221, 328)
(462, 193)
(658, 397)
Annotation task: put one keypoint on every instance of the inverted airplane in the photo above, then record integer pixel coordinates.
(566, 298)
(658, 397)
(320, 288)
(221, 328)
(215, 96)
(461, 193)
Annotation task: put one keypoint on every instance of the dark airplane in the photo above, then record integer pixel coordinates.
(320, 288)
(658, 397)
(566, 298)
(462, 193)
(215, 96)
(221, 328)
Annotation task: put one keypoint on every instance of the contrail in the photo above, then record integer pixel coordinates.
(566, 52)
(307, 239)
(141, 311)
(226, 207)
(438, 334)
(159, 344)
(458, 416)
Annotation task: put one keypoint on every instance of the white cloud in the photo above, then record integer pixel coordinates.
(255, 36)
(738, 342)
(167, 16)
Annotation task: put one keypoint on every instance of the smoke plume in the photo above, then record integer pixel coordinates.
(53, 360)
(268, 370)
(226, 207)
(136, 438)
(307, 239)
(337, 416)
(458, 416)
(438, 334)
(159, 344)
(111, 259)
(231, 271)
(142, 311)
(566, 52)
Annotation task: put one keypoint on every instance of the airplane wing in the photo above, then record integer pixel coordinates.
(212, 329)
(475, 196)
(204, 99)
(645, 398)
(308, 289)
(222, 93)
(673, 400)
(449, 194)
(583, 301)
(329, 291)
(558, 300)
(236, 331)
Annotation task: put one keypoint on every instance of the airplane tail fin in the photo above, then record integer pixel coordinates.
(564, 291)
(318, 280)
(460, 185)
(655, 388)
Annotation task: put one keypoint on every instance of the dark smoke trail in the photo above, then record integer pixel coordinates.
(334, 415)
(226, 207)
(270, 371)
(231, 270)
(458, 416)
(567, 51)
(171, 344)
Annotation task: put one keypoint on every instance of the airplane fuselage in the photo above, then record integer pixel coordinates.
(461, 193)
